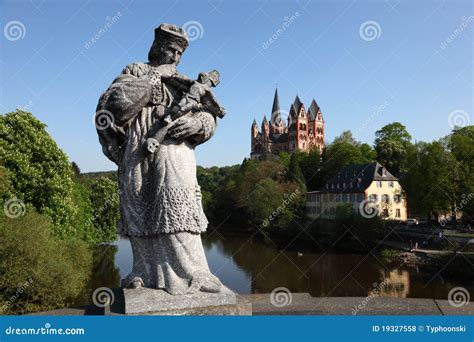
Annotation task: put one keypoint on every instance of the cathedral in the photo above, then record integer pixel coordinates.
(303, 130)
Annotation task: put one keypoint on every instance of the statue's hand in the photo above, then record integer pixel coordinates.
(184, 127)
(152, 145)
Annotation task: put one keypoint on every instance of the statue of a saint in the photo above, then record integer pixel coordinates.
(160, 199)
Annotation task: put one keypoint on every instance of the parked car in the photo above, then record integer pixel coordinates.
(412, 222)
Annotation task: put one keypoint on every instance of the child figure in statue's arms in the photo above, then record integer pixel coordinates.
(199, 97)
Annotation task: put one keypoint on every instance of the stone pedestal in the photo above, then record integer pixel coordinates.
(146, 301)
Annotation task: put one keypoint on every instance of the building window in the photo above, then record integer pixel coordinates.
(327, 186)
(374, 198)
(397, 213)
(353, 197)
(385, 213)
(360, 197)
(344, 185)
(379, 184)
(338, 185)
(397, 198)
(347, 198)
(386, 198)
(391, 184)
(332, 186)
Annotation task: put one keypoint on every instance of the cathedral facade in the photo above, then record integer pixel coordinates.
(302, 129)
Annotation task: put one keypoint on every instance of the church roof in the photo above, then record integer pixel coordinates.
(357, 178)
(254, 123)
(313, 110)
(297, 105)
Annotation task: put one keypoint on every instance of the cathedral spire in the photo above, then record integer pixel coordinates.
(276, 118)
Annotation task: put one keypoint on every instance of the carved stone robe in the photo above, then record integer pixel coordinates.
(160, 202)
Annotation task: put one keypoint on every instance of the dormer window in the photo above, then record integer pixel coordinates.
(337, 185)
(344, 185)
(332, 186)
(382, 171)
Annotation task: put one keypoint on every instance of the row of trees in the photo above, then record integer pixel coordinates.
(51, 218)
(436, 176)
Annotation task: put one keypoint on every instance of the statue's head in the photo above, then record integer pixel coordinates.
(169, 44)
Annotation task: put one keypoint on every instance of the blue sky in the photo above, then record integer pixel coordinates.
(404, 67)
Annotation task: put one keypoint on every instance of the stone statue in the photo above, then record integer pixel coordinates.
(199, 92)
(160, 199)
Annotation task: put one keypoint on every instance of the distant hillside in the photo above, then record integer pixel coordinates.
(90, 176)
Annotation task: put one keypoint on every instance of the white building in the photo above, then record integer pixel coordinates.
(354, 184)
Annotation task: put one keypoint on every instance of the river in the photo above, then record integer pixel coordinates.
(249, 265)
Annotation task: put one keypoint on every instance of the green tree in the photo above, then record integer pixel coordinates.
(310, 165)
(104, 199)
(429, 184)
(343, 151)
(294, 173)
(75, 169)
(346, 137)
(391, 144)
(37, 271)
(461, 144)
(40, 173)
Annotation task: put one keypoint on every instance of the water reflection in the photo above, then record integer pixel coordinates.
(105, 272)
(248, 265)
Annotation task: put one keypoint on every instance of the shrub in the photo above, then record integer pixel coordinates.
(37, 271)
